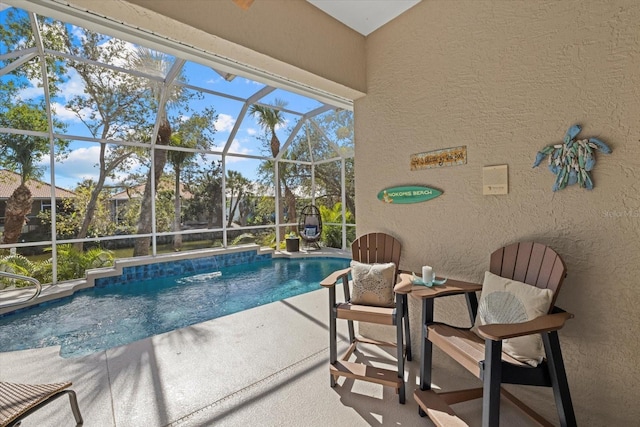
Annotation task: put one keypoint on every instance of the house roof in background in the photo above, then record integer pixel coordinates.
(9, 181)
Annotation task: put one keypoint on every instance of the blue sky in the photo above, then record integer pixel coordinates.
(81, 162)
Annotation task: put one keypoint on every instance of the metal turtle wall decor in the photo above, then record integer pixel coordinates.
(572, 160)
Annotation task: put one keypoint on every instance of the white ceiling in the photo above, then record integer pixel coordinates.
(364, 16)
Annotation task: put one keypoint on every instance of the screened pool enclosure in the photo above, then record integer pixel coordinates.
(110, 147)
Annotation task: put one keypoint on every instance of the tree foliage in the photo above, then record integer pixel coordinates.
(126, 112)
(17, 35)
(205, 185)
(326, 137)
(238, 191)
(22, 153)
(72, 263)
(194, 133)
(114, 104)
(332, 234)
(270, 118)
(71, 214)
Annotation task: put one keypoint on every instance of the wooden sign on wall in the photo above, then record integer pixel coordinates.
(439, 158)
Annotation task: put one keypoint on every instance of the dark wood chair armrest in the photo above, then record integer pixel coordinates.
(546, 323)
(330, 281)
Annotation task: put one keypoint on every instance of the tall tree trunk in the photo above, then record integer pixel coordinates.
(244, 213)
(233, 206)
(280, 207)
(177, 238)
(95, 193)
(291, 203)
(351, 206)
(18, 207)
(141, 245)
(275, 144)
(275, 150)
(88, 216)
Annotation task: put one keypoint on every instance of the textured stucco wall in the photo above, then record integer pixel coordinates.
(506, 78)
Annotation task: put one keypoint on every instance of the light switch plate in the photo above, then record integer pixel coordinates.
(495, 180)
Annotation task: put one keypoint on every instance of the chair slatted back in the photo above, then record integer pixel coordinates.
(376, 248)
(532, 263)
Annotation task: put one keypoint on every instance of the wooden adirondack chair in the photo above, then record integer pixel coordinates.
(371, 249)
(531, 263)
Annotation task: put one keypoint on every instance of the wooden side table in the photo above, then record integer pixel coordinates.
(428, 296)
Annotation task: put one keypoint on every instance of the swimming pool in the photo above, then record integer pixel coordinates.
(99, 318)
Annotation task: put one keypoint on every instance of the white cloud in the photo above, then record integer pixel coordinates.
(252, 131)
(77, 32)
(224, 123)
(82, 163)
(32, 92)
(236, 148)
(66, 115)
(122, 59)
(252, 82)
(74, 86)
(67, 90)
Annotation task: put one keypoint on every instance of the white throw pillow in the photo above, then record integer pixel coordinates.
(373, 284)
(509, 301)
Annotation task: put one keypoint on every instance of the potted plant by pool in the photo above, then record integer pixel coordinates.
(292, 242)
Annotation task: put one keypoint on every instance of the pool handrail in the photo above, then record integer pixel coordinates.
(36, 282)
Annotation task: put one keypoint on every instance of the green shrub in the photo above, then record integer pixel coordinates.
(72, 263)
(332, 234)
(20, 265)
(244, 239)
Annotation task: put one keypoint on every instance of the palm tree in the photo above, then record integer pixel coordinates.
(19, 203)
(270, 118)
(120, 104)
(22, 153)
(177, 159)
(195, 132)
(159, 64)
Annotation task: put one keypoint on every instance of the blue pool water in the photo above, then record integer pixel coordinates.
(96, 319)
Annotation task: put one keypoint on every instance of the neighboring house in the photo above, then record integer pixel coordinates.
(119, 200)
(40, 192)
(257, 190)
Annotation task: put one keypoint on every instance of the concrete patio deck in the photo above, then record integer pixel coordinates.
(267, 366)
